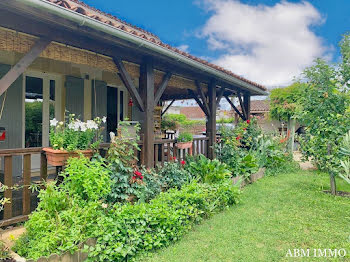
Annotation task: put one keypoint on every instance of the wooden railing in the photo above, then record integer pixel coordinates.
(23, 157)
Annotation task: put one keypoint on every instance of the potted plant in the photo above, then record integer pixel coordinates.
(184, 140)
(73, 138)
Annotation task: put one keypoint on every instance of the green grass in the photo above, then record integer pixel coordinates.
(275, 214)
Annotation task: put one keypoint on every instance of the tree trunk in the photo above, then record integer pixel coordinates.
(333, 183)
(331, 175)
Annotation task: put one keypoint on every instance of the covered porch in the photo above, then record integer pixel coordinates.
(69, 57)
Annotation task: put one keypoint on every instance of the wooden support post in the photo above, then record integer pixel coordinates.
(26, 183)
(211, 126)
(246, 105)
(43, 167)
(8, 182)
(23, 64)
(147, 94)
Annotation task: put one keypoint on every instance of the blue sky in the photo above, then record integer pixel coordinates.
(193, 24)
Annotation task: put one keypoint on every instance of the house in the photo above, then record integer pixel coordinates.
(63, 55)
(193, 113)
(258, 108)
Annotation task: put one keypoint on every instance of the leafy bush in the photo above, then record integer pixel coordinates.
(122, 231)
(89, 180)
(185, 137)
(206, 170)
(173, 176)
(129, 230)
(181, 120)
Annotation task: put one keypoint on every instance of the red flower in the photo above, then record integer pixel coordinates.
(244, 129)
(238, 138)
(183, 162)
(248, 121)
(134, 178)
(137, 173)
(141, 177)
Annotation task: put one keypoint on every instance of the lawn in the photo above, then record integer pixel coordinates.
(275, 214)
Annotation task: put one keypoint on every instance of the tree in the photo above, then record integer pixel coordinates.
(325, 111)
(285, 102)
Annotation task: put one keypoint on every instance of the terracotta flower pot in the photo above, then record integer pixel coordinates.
(184, 145)
(59, 157)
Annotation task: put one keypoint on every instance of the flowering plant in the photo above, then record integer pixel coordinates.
(75, 134)
(185, 137)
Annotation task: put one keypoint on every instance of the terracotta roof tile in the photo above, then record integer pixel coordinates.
(258, 106)
(84, 9)
(192, 112)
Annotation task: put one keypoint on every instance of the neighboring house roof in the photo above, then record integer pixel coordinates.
(192, 112)
(258, 106)
(84, 9)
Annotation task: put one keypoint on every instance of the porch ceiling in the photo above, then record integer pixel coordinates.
(14, 14)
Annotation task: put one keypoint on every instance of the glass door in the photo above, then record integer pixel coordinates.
(40, 96)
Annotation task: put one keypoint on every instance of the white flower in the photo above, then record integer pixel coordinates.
(112, 136)
(90, 124)
(104, 205)
(104, 119)
(53, 122)
(83, 127)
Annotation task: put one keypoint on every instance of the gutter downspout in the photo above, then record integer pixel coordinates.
(100, 26)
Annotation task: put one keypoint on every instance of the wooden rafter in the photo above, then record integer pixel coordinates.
(23, 64)
(202, 95)
(129, 84)
(199, 102)
(234, 107)
(167, 108)
(219, 96)
(162, 87)
(242, 106)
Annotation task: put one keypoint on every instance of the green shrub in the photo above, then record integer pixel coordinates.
(122, 231)
(181, 120)
(206, 170)
(88, 180)
(173, 176)
(133, 229)
(185, 137)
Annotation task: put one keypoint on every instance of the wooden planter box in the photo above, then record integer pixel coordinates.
(78, 256)
(255, 177)
(59, 157)
(237, 179)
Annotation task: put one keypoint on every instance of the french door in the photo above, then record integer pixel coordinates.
(42, 100)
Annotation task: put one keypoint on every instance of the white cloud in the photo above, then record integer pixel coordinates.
(183, 48)
(266, 44)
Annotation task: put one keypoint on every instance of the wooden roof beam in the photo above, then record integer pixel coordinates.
(7, 80)
(129, 84)
(162, 87)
